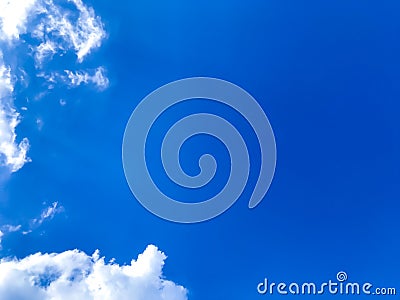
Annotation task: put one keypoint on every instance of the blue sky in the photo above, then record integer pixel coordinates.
(327, 76)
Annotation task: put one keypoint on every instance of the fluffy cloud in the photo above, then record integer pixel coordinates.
(13, 17)
(52, 27)
(73, 275)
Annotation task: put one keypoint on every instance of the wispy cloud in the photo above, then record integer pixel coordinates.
(96, 77)
(53, 25)
(75, 275)
(59, 30)
(12, 154)
(6, 229)
(48, 213)
(49, 28)
(12, 228)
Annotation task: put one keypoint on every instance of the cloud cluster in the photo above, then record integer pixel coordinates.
(73, 275)
(13, 17)
(49, 28)
(59, 30)
(56, 28)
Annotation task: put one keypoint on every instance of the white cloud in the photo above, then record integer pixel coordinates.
(5, 229)
(73, 275)
(13, 17)
(74, 79)
(56, 28)
(11, 228)
(83, 77)
(45, 50)
(13, 155)
(48, 213)
(60, 29)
